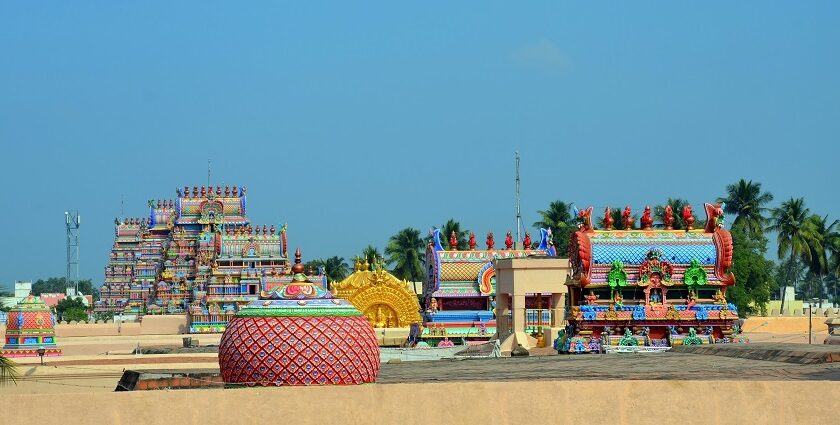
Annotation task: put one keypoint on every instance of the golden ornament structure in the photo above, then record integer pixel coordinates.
(385, 300)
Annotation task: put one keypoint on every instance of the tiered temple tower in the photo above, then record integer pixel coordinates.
(198, 254)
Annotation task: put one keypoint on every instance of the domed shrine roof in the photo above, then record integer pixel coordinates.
(29, 327)
(298, 334)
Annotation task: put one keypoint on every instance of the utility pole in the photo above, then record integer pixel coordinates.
(208, 173)
(518, 242)
(72, 222)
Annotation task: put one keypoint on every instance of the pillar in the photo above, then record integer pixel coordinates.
(518, 309)
(558, 310)
(502, 310)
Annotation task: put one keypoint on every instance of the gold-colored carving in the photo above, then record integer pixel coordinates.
(672, 313)
(386, 301)
(611, 313)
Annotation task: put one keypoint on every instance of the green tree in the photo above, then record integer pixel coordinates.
(824, 244)
(335, 267)
(405, 253)
(795, 234)
(748, 203)
(59, 285)
(446, 232)
(677, 205)
(77, 314)
(69, 304)
(558, 218)
(754, 273)
(371, 254)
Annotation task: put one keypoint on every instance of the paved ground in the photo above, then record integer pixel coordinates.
(651, 366)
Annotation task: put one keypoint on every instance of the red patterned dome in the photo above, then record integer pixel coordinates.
(310, 345)
(299, 335)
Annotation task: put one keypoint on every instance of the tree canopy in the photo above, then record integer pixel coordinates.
(405, 253)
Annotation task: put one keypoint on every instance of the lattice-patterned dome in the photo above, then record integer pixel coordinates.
(323, 341)
(29, 326)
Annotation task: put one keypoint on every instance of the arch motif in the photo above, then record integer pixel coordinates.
(485, 279)
(374, 301)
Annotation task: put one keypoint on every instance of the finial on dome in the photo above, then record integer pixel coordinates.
(298, 267)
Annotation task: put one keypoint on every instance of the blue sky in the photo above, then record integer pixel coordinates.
(351, 122)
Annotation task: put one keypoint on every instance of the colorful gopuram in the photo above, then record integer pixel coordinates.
(646, 286)
(387, 302)
(460, 287)
(198, 254)
(30, 327)
(298, 334)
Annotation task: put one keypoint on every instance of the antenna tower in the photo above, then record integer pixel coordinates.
(72, 221)
(518, 242)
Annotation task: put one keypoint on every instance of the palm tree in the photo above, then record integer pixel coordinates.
(558, 218)
(746, 200)
(337, 269)
(826, 239)
(795, 234)
(453, 226)
(370, 253)
(677, 205)
(8, 371)
(405, 252)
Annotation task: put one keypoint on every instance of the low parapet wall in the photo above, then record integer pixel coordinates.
(784, 325)
(630, 402)
(174, 324)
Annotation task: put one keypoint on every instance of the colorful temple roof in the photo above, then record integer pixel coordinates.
(470, 273)
(29, 327)
(707, 252)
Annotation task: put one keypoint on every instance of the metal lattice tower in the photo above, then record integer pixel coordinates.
(72, 221)
(518, 242)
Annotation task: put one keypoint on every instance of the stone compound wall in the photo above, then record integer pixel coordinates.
(536, 402)
(150, 325)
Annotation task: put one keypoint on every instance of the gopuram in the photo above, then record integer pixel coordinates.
(650, 287)
(198, 254)
(460, 287)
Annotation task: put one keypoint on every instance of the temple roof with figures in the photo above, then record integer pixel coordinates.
(470, 273)
(206, 204)
(705, 254)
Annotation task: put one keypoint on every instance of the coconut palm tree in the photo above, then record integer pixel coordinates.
(8, 371)
(826, 239)
(558, 218)
(453, 226)
(405, 253)
(747, 202)
(370, 253)
(790, 221)
(677, 205)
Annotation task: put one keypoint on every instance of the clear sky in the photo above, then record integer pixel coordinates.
(351, 122)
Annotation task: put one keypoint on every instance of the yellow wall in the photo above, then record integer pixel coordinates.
(536, 402)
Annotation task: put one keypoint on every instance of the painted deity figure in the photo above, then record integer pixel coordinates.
(509, 241)
(688, 218)
(719, 298)
(618, 300)
(627, 218)
(433, 306)
(490, 241)
(471, 242)
(655, 296)
(591, 298)
(608, 219)
(453, 241)
(647, 219)
(692, 299)
(560, 340)
(669, 218)
(526, 243)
